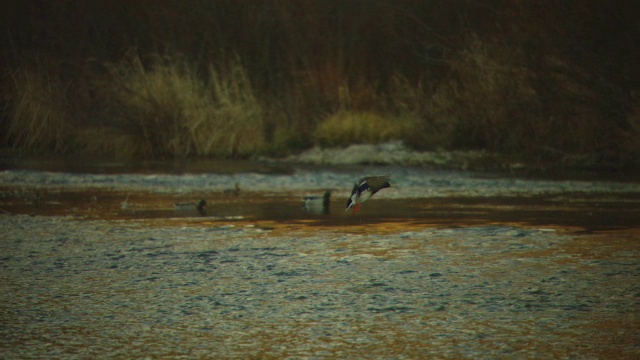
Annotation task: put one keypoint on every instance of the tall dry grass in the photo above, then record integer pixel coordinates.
(239, 78)
(234, 124)
(498, 99)
(488, 103)
(40, 111)
(169, 108)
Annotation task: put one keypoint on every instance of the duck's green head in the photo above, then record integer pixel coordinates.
(202, 207)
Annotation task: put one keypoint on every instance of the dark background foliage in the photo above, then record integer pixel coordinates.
(540, 78)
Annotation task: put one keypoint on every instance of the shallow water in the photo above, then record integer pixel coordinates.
(443, 265)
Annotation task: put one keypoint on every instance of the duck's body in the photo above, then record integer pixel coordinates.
(366, 188)
(317, 204)
(235, 191)
(200, 207)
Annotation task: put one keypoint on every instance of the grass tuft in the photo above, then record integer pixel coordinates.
(349, 127)
(169, 109)
(232, 124)
(38, 118)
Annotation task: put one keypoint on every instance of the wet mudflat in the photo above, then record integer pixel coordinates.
(554, 274)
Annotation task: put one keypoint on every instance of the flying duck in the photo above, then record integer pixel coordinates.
(366, 188)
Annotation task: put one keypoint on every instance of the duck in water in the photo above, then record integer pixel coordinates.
(200, 207)
(317, 204)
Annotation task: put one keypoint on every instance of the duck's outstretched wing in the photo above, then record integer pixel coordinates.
(376, 183)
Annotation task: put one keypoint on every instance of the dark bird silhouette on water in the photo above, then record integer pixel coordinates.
(200, 207)
(317, 204)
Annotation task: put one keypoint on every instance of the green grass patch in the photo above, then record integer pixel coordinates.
(350, 127)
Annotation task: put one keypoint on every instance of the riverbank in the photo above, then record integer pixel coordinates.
(386, 154)
(396, 153)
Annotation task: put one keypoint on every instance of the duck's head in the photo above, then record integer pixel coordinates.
(353, 201)
(202, 207)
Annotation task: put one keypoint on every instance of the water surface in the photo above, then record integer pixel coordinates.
(443, 265)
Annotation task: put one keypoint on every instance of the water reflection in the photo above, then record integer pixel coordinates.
(587, 212)
(302, 194)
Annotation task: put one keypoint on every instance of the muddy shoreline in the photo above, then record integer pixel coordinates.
(351, 157)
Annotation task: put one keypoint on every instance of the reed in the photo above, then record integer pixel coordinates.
(241, 78)
(497, 100)
(39, 118)
(233, 123)
(167, 109)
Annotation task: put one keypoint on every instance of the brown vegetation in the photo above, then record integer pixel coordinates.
(239, 78)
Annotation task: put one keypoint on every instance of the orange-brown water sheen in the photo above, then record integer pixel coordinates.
(497, 296)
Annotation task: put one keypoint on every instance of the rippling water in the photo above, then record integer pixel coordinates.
(407, 182)
(442, 265)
